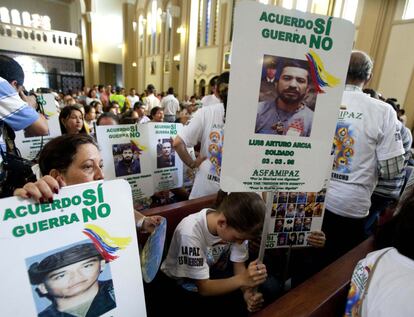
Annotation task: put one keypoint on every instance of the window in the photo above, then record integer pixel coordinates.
(153, 25)
(408, 10)
(141, 34)
(27, 20)
(208, 22)
(45, 23)
(287, 4)
(15, 16)
(346, 9)
(200, 23)
(169, 29)
(4, 15)
(264, 1)
(301, 5)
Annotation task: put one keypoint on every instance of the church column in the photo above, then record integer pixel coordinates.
(90, 57)
(188, 46)
(129, 51)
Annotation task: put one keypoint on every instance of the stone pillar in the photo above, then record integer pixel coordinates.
(130, 46)
(188, 46)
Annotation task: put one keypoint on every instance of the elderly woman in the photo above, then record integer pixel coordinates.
(69, 160)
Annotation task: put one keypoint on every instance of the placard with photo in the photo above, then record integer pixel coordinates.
(30, 146)
(126, 153)
(79, 252)
(281, 118)
(296, 215)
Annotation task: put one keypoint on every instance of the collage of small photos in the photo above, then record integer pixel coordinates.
(295, 215)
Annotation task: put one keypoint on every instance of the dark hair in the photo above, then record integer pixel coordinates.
(65, 113)
(138, 105)
(244, 212)
(107, 115)
(150, 88)
(213, 81)
(154, 111)
(360, 67)
(59, 152)
(90, 92)
(371, 92)
(170, 91)
(223, 88)
(88, 108)
(398, 231)
(289, 62)
(11, 70)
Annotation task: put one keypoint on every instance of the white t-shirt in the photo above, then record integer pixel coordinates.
(170, 105)
(367, 131)
(194, 249)
(206, 127)
(391, 289)
(151, 101)
(132, 100)
(209, 100)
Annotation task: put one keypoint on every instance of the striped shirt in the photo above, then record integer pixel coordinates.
(16, 113)
(392, 176)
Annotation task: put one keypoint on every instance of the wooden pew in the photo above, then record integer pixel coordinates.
(322, 295)
(175, 212)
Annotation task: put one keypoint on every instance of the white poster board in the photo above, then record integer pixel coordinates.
(29, 147)
(281, 139)
(126, 153)
(168, 169)
(142, 154)
(88, 228)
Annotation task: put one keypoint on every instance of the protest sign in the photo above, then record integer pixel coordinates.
(142, 154)
(168, 172)
(80, 248)
(126, 153)
(281, 118)
(28, 146)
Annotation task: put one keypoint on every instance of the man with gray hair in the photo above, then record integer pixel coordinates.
(367, 144)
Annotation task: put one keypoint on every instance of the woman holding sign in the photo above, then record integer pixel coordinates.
(69, 160)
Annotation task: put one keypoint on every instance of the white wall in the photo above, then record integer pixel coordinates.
(399, 62)
(107, 30)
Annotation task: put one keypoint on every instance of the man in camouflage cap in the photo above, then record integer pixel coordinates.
(69, 278)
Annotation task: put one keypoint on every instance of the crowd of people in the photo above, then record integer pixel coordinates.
(372, 154)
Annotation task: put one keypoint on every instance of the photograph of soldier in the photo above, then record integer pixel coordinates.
(301, 238)
(281, 239)
(165, 154)
(281, 211)
(288, 225)
(268, 84)
(67, 282)
(292, 197)
(307, 223)
(282, 197)
(289, 110)
(279, 225)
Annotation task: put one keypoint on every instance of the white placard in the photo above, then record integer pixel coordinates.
(38, 243)
(168, 168)
(126, 153)
(282, 141)
(29, 147)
